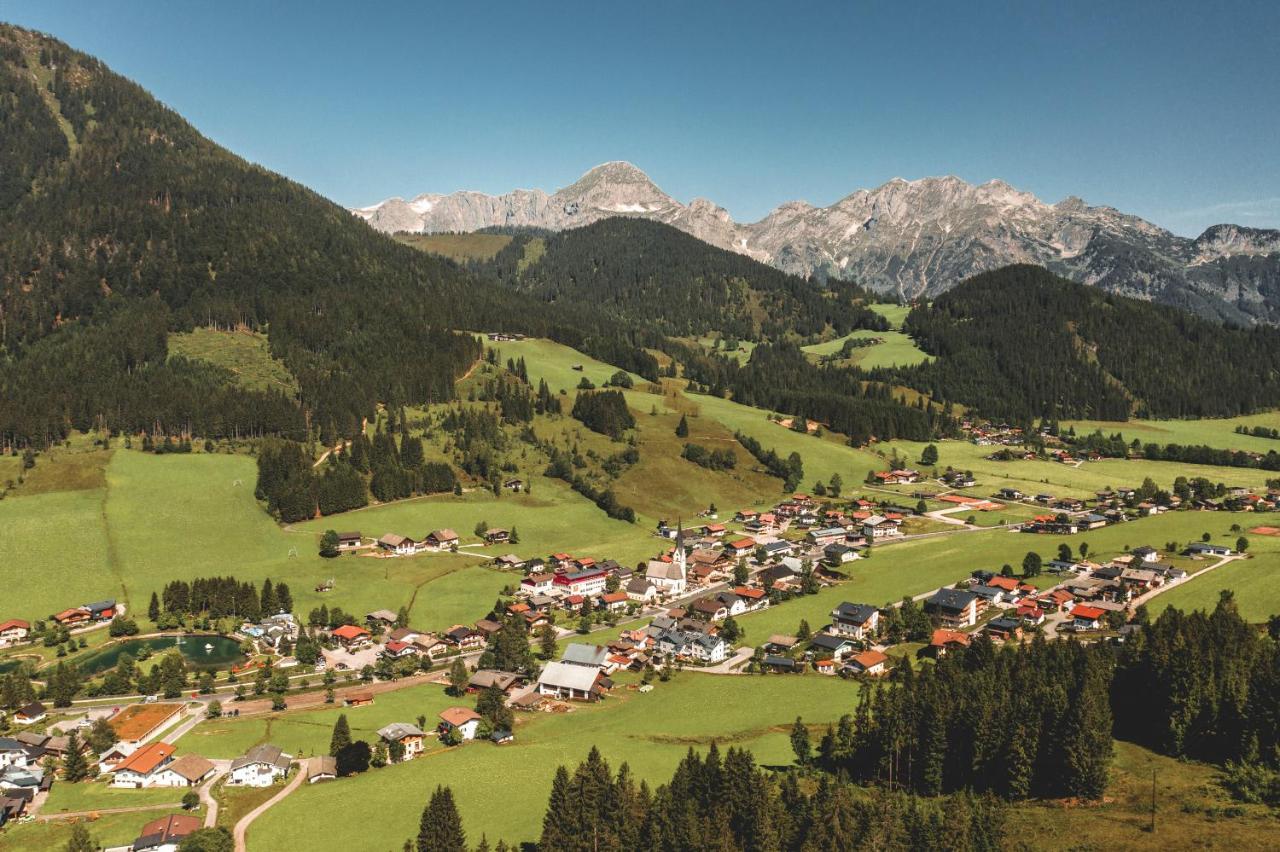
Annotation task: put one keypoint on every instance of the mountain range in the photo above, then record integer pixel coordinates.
(913, 238)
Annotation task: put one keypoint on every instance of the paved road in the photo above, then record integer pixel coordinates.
(300, 774)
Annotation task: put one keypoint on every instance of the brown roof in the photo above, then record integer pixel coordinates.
(457, 716)
(868, 659)
(192, 767)
(173, 827)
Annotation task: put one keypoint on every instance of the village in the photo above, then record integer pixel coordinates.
(678, 610)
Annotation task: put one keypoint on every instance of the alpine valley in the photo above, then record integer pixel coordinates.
(913, 238)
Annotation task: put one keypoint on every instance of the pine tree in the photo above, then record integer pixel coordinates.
(153, 608)
(682, 428)
(74, 766)
(800, 743)
(441, 827)
(80, 840)
(341, 735)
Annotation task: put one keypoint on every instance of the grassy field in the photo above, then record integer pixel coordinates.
(651, 732)
(894, 350)
(459, 247)
(1034, 477)
(107, 831)
(895, 314)
(244, 353)
(1212, 432)
(96, 795)
(1255, 582)
(554, 363)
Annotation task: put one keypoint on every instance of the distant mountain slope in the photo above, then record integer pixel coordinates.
(1021, 342)
(653, 274)
(914, 238)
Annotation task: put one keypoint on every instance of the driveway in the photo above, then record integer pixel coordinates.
(300, 774)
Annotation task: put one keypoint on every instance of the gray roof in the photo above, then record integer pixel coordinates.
(951, 599)
(585, 655)
(263, 753)
(322, 765)
(400, 730)
(857, 613)
(829, 642)
(568, 676)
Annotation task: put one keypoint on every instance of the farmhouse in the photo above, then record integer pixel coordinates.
(321, 768)
(153, 765)
(442, 539)
(897, 477)
(260, 767)
(410, 737)
(72, 617)
(497, 536)
(740, 547)
(166, 833)
(857, 621)
(953, 608)
(826, 645)
(13, 631)
(398, 544)
(1199, 548)
(944, 640)
(1005, 628)
(868, 663)
(30, 713)
(641, 590)
(878, 526)
(351, 636)
(349, 541)
(826, 536)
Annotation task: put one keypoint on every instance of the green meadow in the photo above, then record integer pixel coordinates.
(895, 350)
(459, 247)
(650, 732)
(107, 830)
(1213, 432)
(245, 353)
(1254, 581)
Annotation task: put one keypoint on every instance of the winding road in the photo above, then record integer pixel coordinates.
(300, 775)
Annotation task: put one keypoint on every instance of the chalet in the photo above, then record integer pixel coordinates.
(781, 644)
(1140, 579)
(1010, 494)
(351, 636)
(400, 545)
(988, 596)
(1087, 618)
(1005, 628)
(30, 713)
(1093, 522)
(442, 539)
(514, 485)
(752, 599)
(825, 536)
(587, 581)
(101, 610)
(712, 559)
(464, 720)
(868, 663)
(321, 768)
(406, 634)
(410, 737)
(777, 663)
(778, 549)
(497, 536)
(1061, 566)
(690, 642)
(72, 617)
(538, 584)
(394, 650)
(1199, 548)
(380, 617)
(13, 753)
(1030, 612)
(1008, 585)
(944, 640)
(166, 833)
(349, 541)
(464, 638)
(897, 477)
(511, 561)
(953, 608)
(1068, 504)
(740, 547)
(641, 590)
(13, 631)
(489, 678)
(1056, 600)
(855, 620)
(153, 765)
(1051, 525)
(488, 627)
(261, 766)
(590, 656)
(879, 526)
(714, 530)
(777, 576)
(569, 681)
(614, 601)
(744, 515)
(827, 645)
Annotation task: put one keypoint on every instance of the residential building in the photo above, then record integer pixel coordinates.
(410, 737)
(166, 833)
(442, 539)
(869, 663)
(569, 681)
(260, 767)
(13, 631)
(855, 620)
(400, 545)
(464, 720)
(953, 608)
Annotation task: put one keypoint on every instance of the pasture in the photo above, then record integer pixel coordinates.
(895, 349)
(1213, 432)
(457, 247)
(1255, 582)
(245, 353)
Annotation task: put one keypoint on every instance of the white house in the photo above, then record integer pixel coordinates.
(13, 631)
(855, 620)
(400, 545)
(260, 767)
(410, 737)
(878, 526)
(464, 720)
(571, 681)
(153, 765)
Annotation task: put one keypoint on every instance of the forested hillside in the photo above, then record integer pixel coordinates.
(119, 223)
(651, 273)
(1020, 342)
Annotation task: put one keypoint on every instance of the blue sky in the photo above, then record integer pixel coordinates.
(1167, 110)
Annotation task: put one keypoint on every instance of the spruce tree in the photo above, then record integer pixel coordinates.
(341, 735)
(440, 829)
(682, 428)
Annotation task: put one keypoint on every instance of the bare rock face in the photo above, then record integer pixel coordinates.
(913, 238)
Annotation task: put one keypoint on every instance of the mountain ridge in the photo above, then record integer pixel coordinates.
(915, 238)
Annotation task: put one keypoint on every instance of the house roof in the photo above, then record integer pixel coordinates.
(456, 717)
(1088, 613)
(350, 631)
(742, 543)
(1009, 584)
(381, 615)
(192, 767)
(585, 655)
(443, 535)
(35, 708)
(166, 829)
(146, 759)
(951, 599)
(399, 730)
(322, 764)
(828, 642)
(870, 659)
(263, 753)
(859, 613)
(946, 637)
(12, 623)
(393, 540)
(564, 675)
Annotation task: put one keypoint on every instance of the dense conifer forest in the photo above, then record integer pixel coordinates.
(1021, 342)
(653, 274)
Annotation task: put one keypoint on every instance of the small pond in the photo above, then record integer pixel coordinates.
(202, 652)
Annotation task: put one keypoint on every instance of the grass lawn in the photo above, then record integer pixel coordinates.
(41, 578)
(1214, 432)
(650, 732)
(459, 247)
(236, 802)
(307, 733)
(895, 314)
(94, 795)
(822, 456)
(244, 353)
(1034, 477)
(108, 830)
(1255, 581)
(895, 350)
(80, 467)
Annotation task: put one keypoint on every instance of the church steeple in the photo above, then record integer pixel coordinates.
(678, 556)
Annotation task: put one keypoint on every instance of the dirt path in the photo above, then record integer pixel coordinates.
(96, 812)
(206, 793)
(242, 826)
